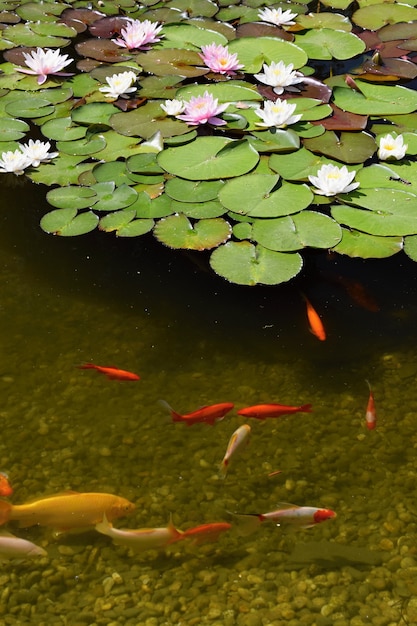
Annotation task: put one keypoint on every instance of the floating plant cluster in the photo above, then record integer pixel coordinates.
(249, 131)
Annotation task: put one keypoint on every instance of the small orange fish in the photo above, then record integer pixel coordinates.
(113, 373)
(286, 514)
(316, 325)
(370, 416)
(262, 411)
(359, 294)
(5, 486)
(206, 532)
(206, 415)
(141, 539)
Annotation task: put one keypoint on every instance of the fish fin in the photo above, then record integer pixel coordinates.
(246, 523)
(306, 408)
(104, 527)
(287, 505)
(86, 366)
(175, 416)
(5, 510)
(177, 534)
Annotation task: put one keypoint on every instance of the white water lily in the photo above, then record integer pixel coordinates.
(277, 114)
(173, 107)
(277, 16)
(44, 62)
(278, 75)
(331, 180)
(392, 147)
(37, 152)
(119, 85)
(14, 162)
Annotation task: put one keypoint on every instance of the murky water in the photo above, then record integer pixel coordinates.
(195, 340)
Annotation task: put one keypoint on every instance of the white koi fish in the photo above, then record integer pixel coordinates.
(287, 514)
(12, 547)
(141, 539)
(237, 441)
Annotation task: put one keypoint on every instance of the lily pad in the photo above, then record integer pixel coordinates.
(188, 191)
(246, 264)
(308, 228)
(177, 231)
(172, 61)
(253, 52)
(232, 91)
(94, 113)
(296, 165)
(71, 197)
(146, 121)
(64, 171)
(327, 44)
(378, 15)
(346, 147)
(208, 158)
(335, 21)
(376, 99)
(356, 244)
(190, 37)
(135, 228)
(111, 198)
(67, 223)
(116, 220)
(30, 106)
(12, 129)
(84, 146)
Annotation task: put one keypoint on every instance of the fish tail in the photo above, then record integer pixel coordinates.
(176, 533)
(246, 524)
(104, 527)
(175, 416)
(86, 366)
(306, 408)
(5, 510)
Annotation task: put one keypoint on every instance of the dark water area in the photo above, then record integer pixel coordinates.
(195, 340)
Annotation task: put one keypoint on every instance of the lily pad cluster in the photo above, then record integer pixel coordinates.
(239, 189)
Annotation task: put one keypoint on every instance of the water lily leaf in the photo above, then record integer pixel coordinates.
(199, 210)
(344, 120)
(85, 146)
(348, 147)
(111, 199)
(253, 195)
(172, 61)
(94, 113)
(246, 264)
(31, 106)
(356, 244)
(117, 146)
(337, 4)
(204, 8)
(190, 191)
(190, 37)
(410, 247)
(114, 172)
(378, 15)
(296, 165)
(44, 12)
(177, 231)
(146, 121)
(376, 99)
(307, 228)
(276, 140)
(65, 171)
(135, 228)
(55, 29)
(335, 21)
(391, 212)
(63, 129)
(11, 129)
(209, 158)
(67, 223)
(378, 175)
(72, 197)
(326, 44)
(159, 86)
(144, 164)
(253, 52)
(23, 35)
(232, 91)
(116, 220)
(102, 50)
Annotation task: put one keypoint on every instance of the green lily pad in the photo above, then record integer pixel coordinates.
(44, 12)
(356, 244)
(246, 264)
(190, 191)
(94, 113)
(135, 228)
(146, 121)
(113, 172)
(378, 15)
(376, 99)
(335, 21)
(276, 140)
(24, 35)
(296, 165)
(203, 8)
(410, 247)
(172, 61)
(254, 195)
(327, 44)
(111, 198)
(389, 212)
(67, 223)
(84, 146)
(232, 91)
(190, 37)
(177, 231)
(254, 51)
(346, 147)
(71, 197)
(64, 171)
(199, 210)
(30, 106)
(116, 220)
(209, 158)
(304, 229)
(12, 129)
(143, 164)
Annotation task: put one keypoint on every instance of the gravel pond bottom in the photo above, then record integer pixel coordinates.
(195, 341)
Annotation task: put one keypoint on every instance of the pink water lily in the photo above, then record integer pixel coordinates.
(203, 110)
(138, 35)
(44, 62)
(218, 59)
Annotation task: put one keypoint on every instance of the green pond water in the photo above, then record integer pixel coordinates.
(195, 340)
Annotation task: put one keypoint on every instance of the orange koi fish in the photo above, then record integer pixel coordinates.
(370, 415)
(5, 486)
(239, 439)
(359, 294)
(206, 415)
(113, 373)
(316, 325)
(287, 514)
(66, 511)
(206, 532)
(262, 411)
(143, 538)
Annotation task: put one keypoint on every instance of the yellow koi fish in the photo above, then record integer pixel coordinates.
(236, 442)
(141, 539)
(66, 511)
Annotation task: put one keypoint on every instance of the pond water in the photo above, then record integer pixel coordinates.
(196, 340)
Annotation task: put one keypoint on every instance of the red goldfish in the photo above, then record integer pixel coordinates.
(289, 514)
(5, 486)
(262, 411)
(239, 439)
(370, 416)
(143, 538)
(66, 511)
(316, 325)
(206, 415)
(111, 372)
(206, 532)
